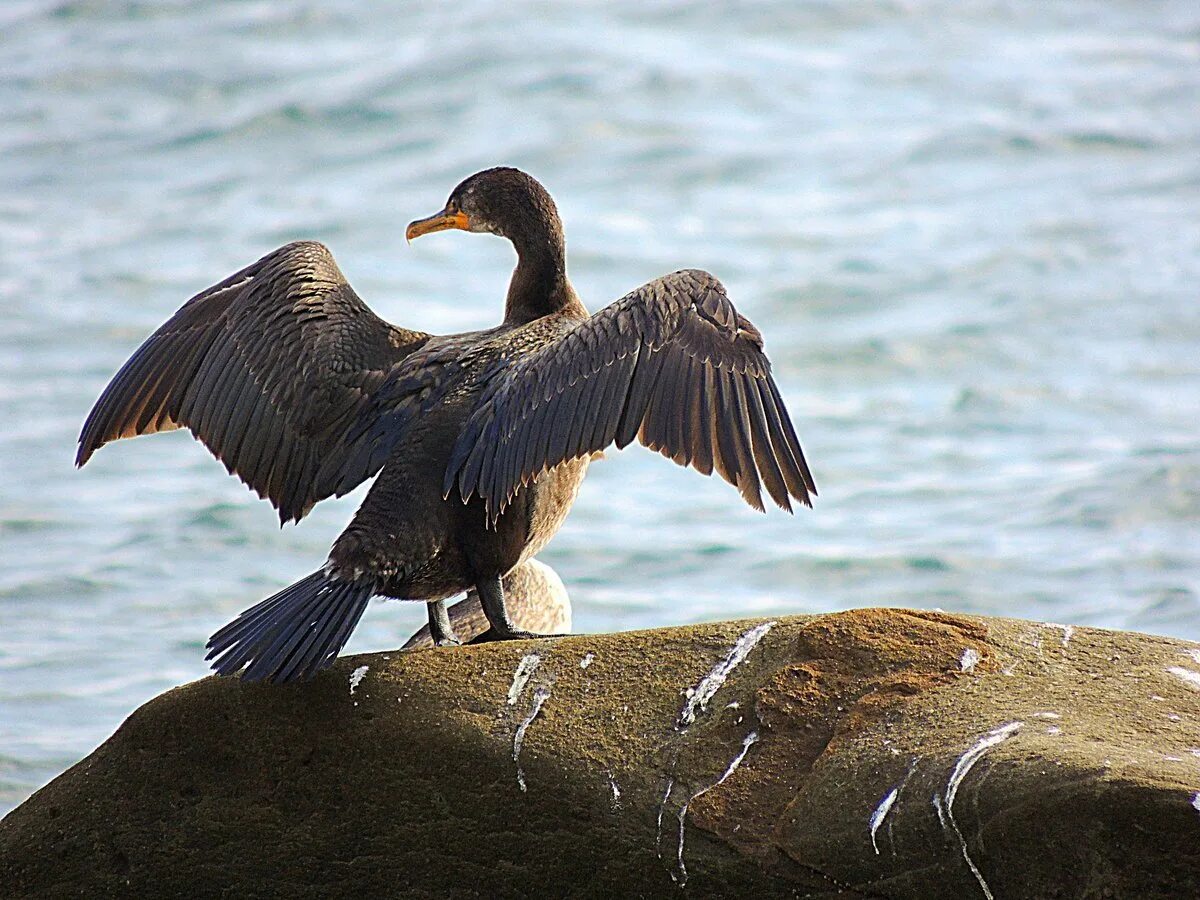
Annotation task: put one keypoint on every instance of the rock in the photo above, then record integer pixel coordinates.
(872, 753)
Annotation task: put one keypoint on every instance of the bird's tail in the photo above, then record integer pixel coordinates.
(294, 634)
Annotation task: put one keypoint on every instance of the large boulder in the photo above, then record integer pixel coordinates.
(873, 753)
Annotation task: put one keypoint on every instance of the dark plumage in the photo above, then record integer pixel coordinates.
(480, 439)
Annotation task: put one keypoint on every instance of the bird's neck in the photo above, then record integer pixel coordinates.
(539, 285)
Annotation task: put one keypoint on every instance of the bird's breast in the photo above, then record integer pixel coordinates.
(548, 501)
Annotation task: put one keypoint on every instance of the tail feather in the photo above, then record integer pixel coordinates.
(245, 623)
(293, 634)
(320, 644)
(275, 660)
(254, 628)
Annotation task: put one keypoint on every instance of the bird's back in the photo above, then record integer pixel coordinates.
(407, 525)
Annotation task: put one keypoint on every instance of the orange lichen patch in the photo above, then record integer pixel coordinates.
(854, 670)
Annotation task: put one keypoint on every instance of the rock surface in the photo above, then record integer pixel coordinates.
(872, 753)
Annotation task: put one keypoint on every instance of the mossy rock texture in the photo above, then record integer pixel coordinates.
(871, 753)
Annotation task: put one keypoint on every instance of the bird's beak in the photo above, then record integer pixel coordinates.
(437, 222)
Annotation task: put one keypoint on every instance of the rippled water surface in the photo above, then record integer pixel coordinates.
(970, 232)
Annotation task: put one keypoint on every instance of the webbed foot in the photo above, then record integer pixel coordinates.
(492, 635)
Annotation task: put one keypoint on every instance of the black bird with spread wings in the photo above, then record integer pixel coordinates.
(480, 440)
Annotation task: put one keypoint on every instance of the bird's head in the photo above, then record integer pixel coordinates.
(502, 201)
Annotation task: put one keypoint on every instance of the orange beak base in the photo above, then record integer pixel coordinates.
(438, 222)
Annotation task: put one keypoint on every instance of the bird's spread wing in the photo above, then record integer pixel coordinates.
(672, 364)
(270, 369)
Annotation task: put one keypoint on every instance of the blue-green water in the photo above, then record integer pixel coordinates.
(970, 232)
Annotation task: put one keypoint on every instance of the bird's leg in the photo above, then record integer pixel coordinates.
(491, 598)
(440, 628)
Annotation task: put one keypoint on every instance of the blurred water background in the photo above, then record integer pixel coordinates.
(969, 230)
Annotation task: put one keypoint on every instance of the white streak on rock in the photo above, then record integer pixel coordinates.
(912, 769)
(1067, 631)
(970, 659)
(616, 791)
(539, 697)
(1195, 655)
(1196, 801)
(587, 660)
(662, 806)
(356, 678)
(939, 809)
(1053, 729)
(682, 877)
(881, 811)
(1192, 678)
(525, 669)
(707, 687)
(965, 763)
(749, 741)
(1046, 715)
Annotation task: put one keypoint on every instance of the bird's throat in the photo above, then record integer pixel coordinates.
(539, 287)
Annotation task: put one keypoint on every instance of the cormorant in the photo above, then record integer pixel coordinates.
(480, 439)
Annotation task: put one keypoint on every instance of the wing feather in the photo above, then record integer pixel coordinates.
(672, 364)
(764, 458)
(270, 369)
(700, 429)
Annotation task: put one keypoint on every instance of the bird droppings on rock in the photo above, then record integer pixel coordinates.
(707, 687)
(912, 769)
(1191, 677)
(662, 806)
(356, 678)
(880, 813)
(540, 696)
(965, 763)
(749, 740)
(525, 669)
(939, 807)
(1067, 632)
